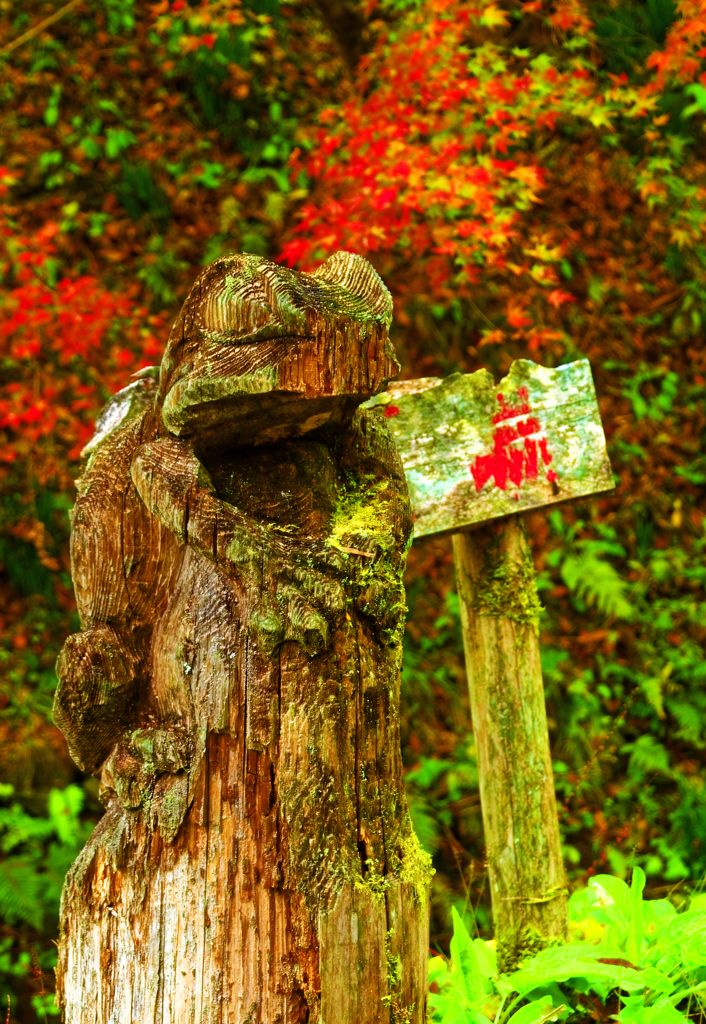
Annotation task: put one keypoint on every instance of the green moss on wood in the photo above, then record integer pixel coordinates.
(506, 588)
(372, 882)
(515, 947)
(416, 869)
(360, 511)
(399, 1014)
(363, 531)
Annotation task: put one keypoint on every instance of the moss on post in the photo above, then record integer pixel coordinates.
(505, 586)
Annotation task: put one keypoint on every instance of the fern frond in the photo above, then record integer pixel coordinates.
(596, 582)
(648, 756)
(20, 890)
(651, 686)
(691, 721)
(18, 827)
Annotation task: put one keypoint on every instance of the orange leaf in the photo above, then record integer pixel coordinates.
(516, 316)
(496, 337)
(558, 296)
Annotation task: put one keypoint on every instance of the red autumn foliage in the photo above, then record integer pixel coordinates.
(68, 346)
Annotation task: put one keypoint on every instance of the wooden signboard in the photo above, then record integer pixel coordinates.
(474, 451)
(475, 454)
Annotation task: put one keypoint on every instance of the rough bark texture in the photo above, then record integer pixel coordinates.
(499, 612)
(237, 546)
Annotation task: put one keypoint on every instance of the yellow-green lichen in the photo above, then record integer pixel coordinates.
(394, 962)
(360, 512)
(372, 882)
(400, 1014)
(362, 520)
(416, 867)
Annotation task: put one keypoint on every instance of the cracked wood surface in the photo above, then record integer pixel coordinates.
(238, 541)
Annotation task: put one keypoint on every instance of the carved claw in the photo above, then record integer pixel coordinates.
(94, 701)
(149, 767)
(176, 488)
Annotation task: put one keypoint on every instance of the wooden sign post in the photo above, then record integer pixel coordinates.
(475, 455)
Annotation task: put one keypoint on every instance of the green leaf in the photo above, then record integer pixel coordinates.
(51, 114)
(438, 971)
(612, 890)
(465, 960)
(96, 224)
(425, 824)
(91, 148)
(117, 141)
(64, 807)
(633, 946)
(487, 960)
(210, 175)
(110, 107)
(537, 1012)
(428, 772)
(455, 1014)
(699, 93)
(684, 928)
(661, 1012)
(596, 290)
(560, 963)
(658, 913)
(53, 158)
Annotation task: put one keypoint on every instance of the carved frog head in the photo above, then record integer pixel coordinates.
(260, 353)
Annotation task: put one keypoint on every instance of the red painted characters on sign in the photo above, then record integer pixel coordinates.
(509, 462)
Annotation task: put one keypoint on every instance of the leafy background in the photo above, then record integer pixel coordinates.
(558, 218)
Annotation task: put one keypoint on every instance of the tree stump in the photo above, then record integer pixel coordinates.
(238, 542)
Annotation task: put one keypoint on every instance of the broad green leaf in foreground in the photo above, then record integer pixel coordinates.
(537, 1012)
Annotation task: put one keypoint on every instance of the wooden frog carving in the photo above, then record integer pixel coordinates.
(237, 547)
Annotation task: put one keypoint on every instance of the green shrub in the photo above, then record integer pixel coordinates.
(35, 855)
(644, 962)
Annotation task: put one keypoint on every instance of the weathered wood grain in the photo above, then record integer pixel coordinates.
(474, 450)
(499, 617)
(236, 680)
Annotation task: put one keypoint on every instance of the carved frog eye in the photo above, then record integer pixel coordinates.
(244, 298)
(260, 353)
